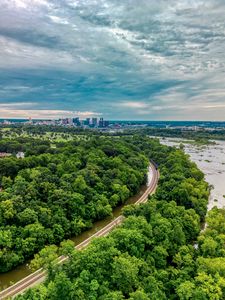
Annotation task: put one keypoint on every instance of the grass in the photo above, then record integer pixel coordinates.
(5, 129)
(54, 137)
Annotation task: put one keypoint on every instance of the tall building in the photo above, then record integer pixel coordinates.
(70, 121)
(94, 121)
(76, 121)
(64, 121)
(101, 122)
(87, 122)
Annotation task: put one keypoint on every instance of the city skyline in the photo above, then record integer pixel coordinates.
(137, 60)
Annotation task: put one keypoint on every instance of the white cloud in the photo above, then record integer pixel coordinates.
(16, 104)
(28, 3)
(44, 114)
(214, 106)
(59, 20)
(132, 104)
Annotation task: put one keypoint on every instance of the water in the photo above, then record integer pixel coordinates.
(211, 161)
(7, 279)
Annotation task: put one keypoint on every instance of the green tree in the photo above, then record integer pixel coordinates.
(45, 258)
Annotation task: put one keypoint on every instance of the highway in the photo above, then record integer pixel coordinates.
(39, 276)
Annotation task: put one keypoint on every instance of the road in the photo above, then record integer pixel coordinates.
(39, 276)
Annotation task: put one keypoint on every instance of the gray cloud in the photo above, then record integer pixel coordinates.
(85, 54)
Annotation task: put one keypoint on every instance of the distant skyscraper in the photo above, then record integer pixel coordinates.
(76, 121)
(87, 121)
(94, 121)
(70, 121)
(101, 122)
(64, 121)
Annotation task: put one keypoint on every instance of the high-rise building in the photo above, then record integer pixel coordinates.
(87, 121)
(64, 121)
(94, 122)
(76, 121)
(70, 121)
(101, 122)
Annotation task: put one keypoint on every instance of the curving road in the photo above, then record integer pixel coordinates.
(39, 276)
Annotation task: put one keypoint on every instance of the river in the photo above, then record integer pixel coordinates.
(11, 277)
(210, 159)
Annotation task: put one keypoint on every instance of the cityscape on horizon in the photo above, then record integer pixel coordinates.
(102, 124)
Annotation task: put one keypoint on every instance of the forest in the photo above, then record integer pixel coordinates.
(201, 135)
(159, 252)
(58, 192)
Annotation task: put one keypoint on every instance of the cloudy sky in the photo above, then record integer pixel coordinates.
(130, 59)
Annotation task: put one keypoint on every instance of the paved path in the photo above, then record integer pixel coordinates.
(39, 276)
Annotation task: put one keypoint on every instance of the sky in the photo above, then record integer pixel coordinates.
(130, 59)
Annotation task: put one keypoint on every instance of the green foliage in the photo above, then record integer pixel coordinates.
(55, 193)
(151, 255)
(44, 258)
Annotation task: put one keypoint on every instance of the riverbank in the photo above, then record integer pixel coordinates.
(210, 159)
(152, 178)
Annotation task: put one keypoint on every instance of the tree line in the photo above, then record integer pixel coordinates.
(57, 194)
(158, 253)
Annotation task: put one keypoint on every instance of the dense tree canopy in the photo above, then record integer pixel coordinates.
(158, 252)
(57, 193)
